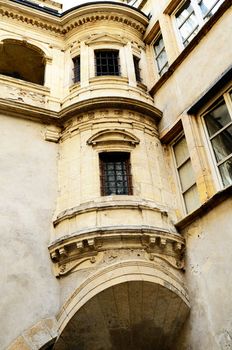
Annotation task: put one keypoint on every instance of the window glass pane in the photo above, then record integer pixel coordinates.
(161, 56)
(181, 151)
(222, 144)
(209, 7)
(191, 199)
(187, 176)
(226, 172)
(184, 13)
(187, 22)
(162, 60)
(217, 118)
(159, 44)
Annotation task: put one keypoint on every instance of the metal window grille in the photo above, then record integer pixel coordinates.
(137, 69)
(77, 69)
(115, 174)
(107, 62)
(161, 56)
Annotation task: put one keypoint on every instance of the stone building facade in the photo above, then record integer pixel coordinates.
(116, 175)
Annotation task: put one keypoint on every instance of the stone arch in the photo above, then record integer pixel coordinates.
(140, 273)
(23, 60)
(41, 335)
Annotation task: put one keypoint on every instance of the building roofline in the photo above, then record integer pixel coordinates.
(60, 15)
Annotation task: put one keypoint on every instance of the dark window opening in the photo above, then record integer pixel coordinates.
(77, 69)
(107, 62)
(137, 69)
(21, 61)
(115, 173)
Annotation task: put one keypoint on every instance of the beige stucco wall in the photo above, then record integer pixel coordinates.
(208, 275)
(28, 183)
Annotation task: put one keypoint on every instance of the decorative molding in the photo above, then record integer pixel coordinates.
(59, 24)
(52, 135)
(110, 137)
(27, 19)
(105, 38)
(113, 204)
(42, 114)
(70, 253)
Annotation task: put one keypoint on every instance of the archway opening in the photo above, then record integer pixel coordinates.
(21, 61)
(134, 315)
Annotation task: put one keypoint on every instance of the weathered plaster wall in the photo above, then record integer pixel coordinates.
(28, 185)
(209, 280)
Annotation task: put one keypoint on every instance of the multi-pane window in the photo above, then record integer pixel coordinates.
(137, 69)
(76, 69)
(192, 15)
(107, 62)
(115, 173)
(186, 174)
(160, 55)
(219, 127)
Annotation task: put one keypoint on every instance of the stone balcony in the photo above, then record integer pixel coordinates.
(21, 91)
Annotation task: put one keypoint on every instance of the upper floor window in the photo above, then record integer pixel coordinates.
(186, 176)
(218, 122)
(77, 69)
(137, 68)
(160, 55)
(107, 62)
(115, 173)
(192, 15)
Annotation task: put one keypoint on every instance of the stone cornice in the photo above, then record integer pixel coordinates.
(112, 204)
(75, 18)
(70, 252)
(26, 111)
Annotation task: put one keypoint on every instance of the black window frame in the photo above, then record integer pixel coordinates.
(107, 62)
(77, 69)
(112, 181)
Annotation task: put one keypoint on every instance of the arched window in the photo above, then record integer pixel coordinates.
(22, 61)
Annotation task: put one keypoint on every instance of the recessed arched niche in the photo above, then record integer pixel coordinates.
(23, 61)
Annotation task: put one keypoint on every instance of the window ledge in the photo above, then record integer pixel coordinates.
(211, 203)
(113, 202)
(198, 37)
(108, 79)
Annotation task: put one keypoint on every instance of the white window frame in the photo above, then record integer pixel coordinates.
(213, 162)
(201, 19)
(158, 37)
(181, 192)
